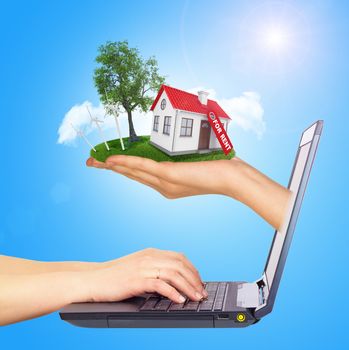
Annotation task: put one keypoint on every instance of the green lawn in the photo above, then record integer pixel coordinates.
(142, 148)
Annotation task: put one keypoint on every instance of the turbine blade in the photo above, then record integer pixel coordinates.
(88, 110)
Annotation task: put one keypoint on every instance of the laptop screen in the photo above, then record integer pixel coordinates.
(297, 185)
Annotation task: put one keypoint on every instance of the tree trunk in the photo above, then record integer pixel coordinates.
(132, 132)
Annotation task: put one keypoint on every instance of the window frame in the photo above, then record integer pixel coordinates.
(186, 127)
(163, 104)
(167, 126)
(156, 123)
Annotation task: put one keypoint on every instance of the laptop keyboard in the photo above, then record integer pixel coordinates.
(214, 302)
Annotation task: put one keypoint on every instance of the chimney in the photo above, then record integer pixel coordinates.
(202, 95)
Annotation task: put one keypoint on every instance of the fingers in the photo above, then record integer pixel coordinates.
(172, 257)
(181, 284)
(180, 276)
(143, 178)
(163, 288)
(167, 189)
(175, 180)
(139, 163)
(91, 162)
(175, 269)
(200, 177)
(172, 180)
(183, 258)
(181, 264)
(139, 176)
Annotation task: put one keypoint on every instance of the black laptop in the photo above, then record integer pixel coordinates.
(229, 304)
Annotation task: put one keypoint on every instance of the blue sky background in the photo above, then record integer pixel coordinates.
(54, 208)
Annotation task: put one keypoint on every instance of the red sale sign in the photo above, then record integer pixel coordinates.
(221, 134)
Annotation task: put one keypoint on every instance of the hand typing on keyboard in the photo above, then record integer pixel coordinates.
(167, 273)
(213, 302)
(48, 286)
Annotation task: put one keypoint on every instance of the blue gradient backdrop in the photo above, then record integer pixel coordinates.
(54, 208)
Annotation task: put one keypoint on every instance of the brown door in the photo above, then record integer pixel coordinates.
(204, 138)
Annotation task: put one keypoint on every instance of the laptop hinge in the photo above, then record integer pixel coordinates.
(252, 294)
(263, 290)
(261, 293)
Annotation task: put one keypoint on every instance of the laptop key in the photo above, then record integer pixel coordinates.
(211, 295)
(176, 307)
(211, 290)
(211, 287)
(191, 306)
(162, 305)
(220, 297)
(206, 306)
(149, 304)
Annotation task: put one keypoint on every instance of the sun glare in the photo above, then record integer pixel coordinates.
(275, 38)
(272, 37)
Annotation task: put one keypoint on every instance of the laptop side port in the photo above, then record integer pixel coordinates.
(223, 317)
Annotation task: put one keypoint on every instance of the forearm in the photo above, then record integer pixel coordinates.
(27, 296)
(12, 265)
(263, 195)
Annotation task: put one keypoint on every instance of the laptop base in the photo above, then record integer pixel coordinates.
(128, 314)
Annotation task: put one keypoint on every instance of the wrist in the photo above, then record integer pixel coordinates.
(236, 178)
(88, 285)
(77, 286)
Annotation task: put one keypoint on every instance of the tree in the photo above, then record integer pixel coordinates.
(127, 79)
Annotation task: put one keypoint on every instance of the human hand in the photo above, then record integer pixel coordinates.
(175, 180)
(31, 290)
(148, 271)
(234, 178)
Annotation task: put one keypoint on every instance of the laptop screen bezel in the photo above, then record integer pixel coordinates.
(294, 212)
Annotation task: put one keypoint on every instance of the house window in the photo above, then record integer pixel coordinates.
(156, 123)
(167, 125)
(186, 127)
(163, 104)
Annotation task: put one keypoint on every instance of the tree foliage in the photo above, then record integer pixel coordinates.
(126, 79)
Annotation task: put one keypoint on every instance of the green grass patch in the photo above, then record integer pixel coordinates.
(143, 148)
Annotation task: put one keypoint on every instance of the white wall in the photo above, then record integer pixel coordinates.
(159, 137)
(187, 143)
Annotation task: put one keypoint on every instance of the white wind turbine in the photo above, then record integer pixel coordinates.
(97, 121)
(110, 108)
(82, 135)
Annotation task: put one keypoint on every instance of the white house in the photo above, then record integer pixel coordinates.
(180, 124)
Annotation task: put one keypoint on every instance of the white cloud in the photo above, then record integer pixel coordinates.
(246, 111)
(79, 117)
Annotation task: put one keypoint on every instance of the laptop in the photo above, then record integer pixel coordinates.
(229, 304)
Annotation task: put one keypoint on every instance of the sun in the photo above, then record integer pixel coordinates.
(275, 38)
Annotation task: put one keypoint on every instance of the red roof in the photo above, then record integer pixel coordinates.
(189, 102)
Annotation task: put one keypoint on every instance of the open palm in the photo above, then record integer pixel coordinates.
(174, 180)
